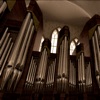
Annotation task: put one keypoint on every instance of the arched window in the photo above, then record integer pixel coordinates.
(42, 39)
(54, 40)
(73, 44)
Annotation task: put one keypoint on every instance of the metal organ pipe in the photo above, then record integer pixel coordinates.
(97, 48)
(3, 37)
(3, 65)
(24, 57)
(3, 7)
(39, 74)
(5, 52)
(44, 65)
(19, 59)
(19, 40)
(26, 49)
(95, 57)
(4, 44)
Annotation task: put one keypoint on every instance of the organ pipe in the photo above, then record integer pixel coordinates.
(5, 52)
(3, 37)
(18, 62)
(3, 7)
(13, 78)
(3, 65)
(7, 73)
(19, 40)
(26, 49)
(95, 57)
(97, 48)
(17, 79)
(4, 44)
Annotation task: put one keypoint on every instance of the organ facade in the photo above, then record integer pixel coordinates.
(31, 75)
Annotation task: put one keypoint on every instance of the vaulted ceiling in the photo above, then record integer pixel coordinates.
(70, 12)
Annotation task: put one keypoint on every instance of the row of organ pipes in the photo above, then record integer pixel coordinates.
(96, 51)
(40, 74)
(66, 76)
(15, 65)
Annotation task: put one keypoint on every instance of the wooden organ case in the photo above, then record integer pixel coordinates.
(31, 75)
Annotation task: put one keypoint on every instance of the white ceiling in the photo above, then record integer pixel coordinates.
(69, 11)
(74, 13)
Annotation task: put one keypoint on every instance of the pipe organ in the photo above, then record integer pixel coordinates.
(31, 75)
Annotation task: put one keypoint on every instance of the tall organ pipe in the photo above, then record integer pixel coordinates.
(4, 44)
(3, 7)
(19, 40)
(7, 73)
(6, 58)
(13, 78)
(3, 37)
(24, 58)
(39, 74)
(26, 49)
(5, 52)
(95, 57)
(24, 44)
(59, 63)
(97, 48)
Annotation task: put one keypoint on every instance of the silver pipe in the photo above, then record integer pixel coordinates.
(83, 66)
(26, 50)
(32, 71)
(19, 40)
(13, 78)
(29, 77)
(7, 73)
(59, 61)
(51, 73)
(18, 78)
(4, 44)
(3, 37)
(61, 66)
(97, 48)
(95, 57)
(81, 72)
(45, 66)
(5, 52)
(35, 66)
(53, 70)
(79, 69)
(40, 65)
(90, 74)
(64, 58)
(21, 53)
(6, 58)
(29, 70)
(3, 7)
